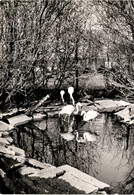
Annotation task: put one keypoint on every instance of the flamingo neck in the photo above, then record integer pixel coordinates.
(84, 116)
(71, 96)
(62, 99)
(77, 109)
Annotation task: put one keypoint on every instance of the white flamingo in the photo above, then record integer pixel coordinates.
(87, 137)
(90, 115)
(71, 91)
(70, 109)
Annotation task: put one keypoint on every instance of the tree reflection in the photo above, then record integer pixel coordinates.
(109, 158)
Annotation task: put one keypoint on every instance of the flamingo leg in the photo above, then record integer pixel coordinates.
(68, 118)
(90, 123)
(65, 118)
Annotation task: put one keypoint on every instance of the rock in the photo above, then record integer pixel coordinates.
(37, 164)
(4, 141)
(17, 150)
(125, 117)
(14, 168)
(13, 111)
(67, 136)
(28, 170)
(6, 150)
(4, 133)
(9, 139)
(5, 127)
(20, 159)
(108, 105)
(49, 172)
(19, 120)
(38, 116)
(102, 192)
(78, 183)
(80, 180)
(122, 103)
(123, 114)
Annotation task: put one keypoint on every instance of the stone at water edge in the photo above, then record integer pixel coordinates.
(78, 183)
(4, 133)
(122, 103)
(4, 141)
(29, 170)
(19, 120)
(5, 127)
(67, 136)
(18, 158)
(109, 105)
(9, 139)
(6, 150)
(49, 172)
(83, 176)
(5, 136)
(38, 116)
(36, 163)
(123, 114)
(17, 150)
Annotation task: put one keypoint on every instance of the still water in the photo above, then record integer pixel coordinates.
(109, 157)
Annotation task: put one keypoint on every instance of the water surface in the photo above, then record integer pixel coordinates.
(110, 158)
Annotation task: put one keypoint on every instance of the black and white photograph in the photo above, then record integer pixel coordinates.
(67, 97)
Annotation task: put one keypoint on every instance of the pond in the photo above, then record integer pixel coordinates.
(109, 156)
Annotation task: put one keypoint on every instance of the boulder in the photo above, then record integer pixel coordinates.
(18, 151)
(19, 120)
(80, 180)
(49, 172)
(5, 127)
(4, 141)
(28, 170)
(36, 163)
(108, 105)
(38, 116)
(6, 150)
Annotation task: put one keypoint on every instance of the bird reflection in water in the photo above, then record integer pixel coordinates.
(86, 137)
(66, 129)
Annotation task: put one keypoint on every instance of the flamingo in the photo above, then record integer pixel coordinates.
(87, 137)
(90, 115)
(71, 91)
(69, 109)
(62, 92)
